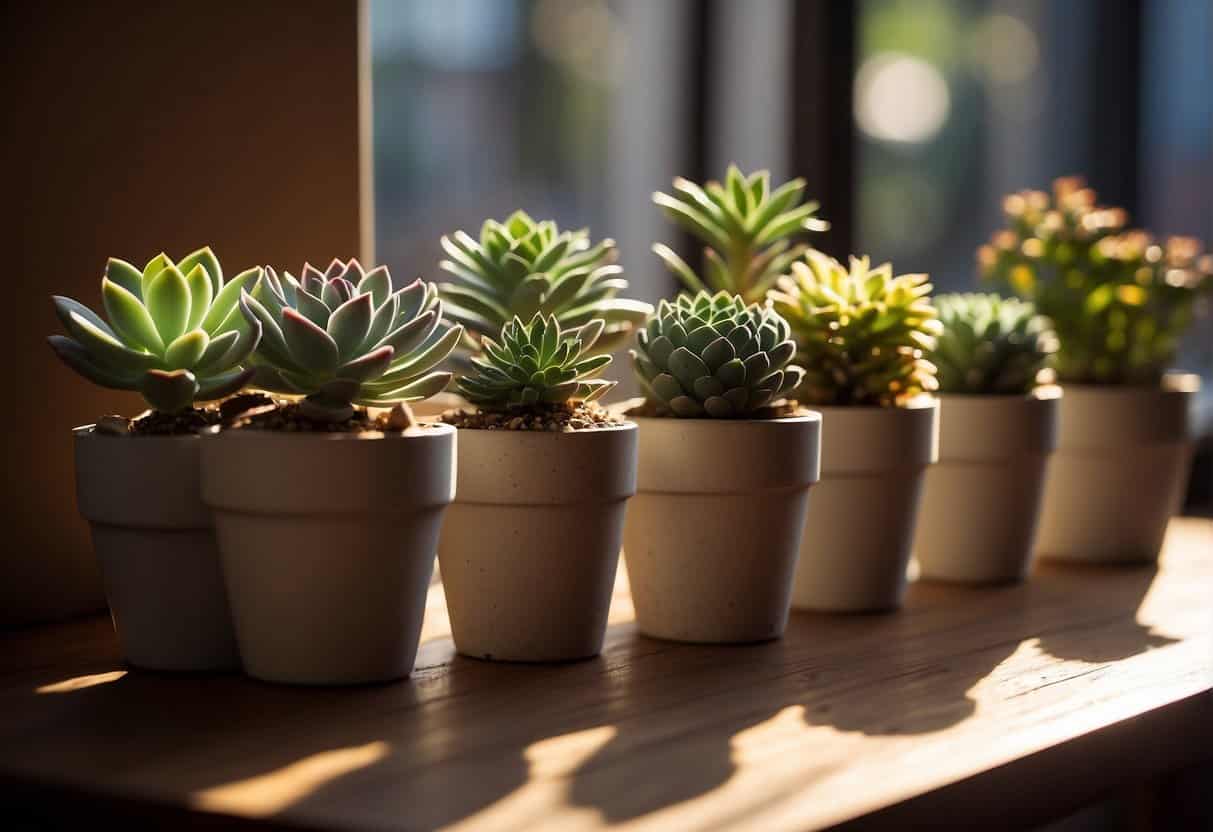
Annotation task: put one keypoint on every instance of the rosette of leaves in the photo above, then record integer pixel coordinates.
(1118, 299)
(748, 231)
(343, 337)
(862, 334)
(174, 333)
(520, 268)
(713, 355)
(990, 346)
(537, 363)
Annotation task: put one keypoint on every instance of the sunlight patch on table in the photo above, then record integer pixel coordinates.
(267, 794)
(81, 682)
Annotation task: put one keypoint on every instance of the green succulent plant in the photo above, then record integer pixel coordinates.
(520, 268)
(537, 362)
(861, 333)
(174, 333)
(747, 230)
(342, 338)
(990, 345)
(714, 356)
(1119, 300)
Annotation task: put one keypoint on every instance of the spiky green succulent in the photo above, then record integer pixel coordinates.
(520, 268)
(748, 231)
(990, 345)
(862, 334)
(714, 356)
(174, 333)
(537, 362)
(342, 338)
(1119, 300)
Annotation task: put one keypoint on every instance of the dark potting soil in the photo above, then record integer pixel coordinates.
(554, 418)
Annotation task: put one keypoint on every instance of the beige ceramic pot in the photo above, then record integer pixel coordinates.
(327, 544)
(530, 547)
(982, 500)
(1119, 472)
(860, 527)
(713, 533)
(156, 547)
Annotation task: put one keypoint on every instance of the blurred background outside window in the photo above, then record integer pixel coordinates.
(578, 109)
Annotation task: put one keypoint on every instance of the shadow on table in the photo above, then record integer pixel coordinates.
(1112, 631)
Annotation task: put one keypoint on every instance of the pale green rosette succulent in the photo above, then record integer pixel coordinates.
(714, 356)
(537, 362)
(747, 230)
(990, 346)
(342, 338)
(520, 268)
(174, 332)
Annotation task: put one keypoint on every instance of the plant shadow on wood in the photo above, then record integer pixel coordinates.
(1110, 630)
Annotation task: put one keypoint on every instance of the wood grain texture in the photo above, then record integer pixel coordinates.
(975, 708)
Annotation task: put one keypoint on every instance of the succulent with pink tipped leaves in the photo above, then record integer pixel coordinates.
(342, 338)
(538, 362)
(713, 355)
(174, 333)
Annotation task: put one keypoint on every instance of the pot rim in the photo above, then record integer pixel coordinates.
(629, 425)
(928, 401)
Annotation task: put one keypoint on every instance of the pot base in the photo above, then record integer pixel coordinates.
(167, 598)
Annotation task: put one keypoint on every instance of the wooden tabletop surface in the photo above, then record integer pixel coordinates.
(972, 707)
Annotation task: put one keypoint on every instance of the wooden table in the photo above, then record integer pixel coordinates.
(972, 707)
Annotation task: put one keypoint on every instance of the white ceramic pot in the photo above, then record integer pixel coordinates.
(860, 529)
(982, 500)
(327, 544)
(1119, 472)
(713, 533)
(156, 548)
(530, 546)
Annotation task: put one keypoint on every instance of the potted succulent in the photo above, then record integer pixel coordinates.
(746, 228)
(726, 463)
(530, 546)
(862, 336)
(1119, 302)
(174, 334)
(998, 425)
(328, 516)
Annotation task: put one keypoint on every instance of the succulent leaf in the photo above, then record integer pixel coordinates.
(704, 356)
(170, 334)
(861, 334)
(990, 345)
(539, 361)
(1118, 300)
(747, 231)
(520, 267)
(376, 347)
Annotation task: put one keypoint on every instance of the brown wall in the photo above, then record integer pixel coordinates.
(136, 127)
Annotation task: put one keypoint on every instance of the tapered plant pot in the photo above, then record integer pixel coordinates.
(327, 544)
(1119, 472)
(860, 528)
(982, 500)
(713, 533)
(530, 547)
(155, 544)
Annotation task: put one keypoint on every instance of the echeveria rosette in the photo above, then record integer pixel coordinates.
(747, 230)
(174, 332)
(539, 362)
(862, 334)
(990, 346)
(343, 337)
(1118, 299)
(714, 356)
(520, 268)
